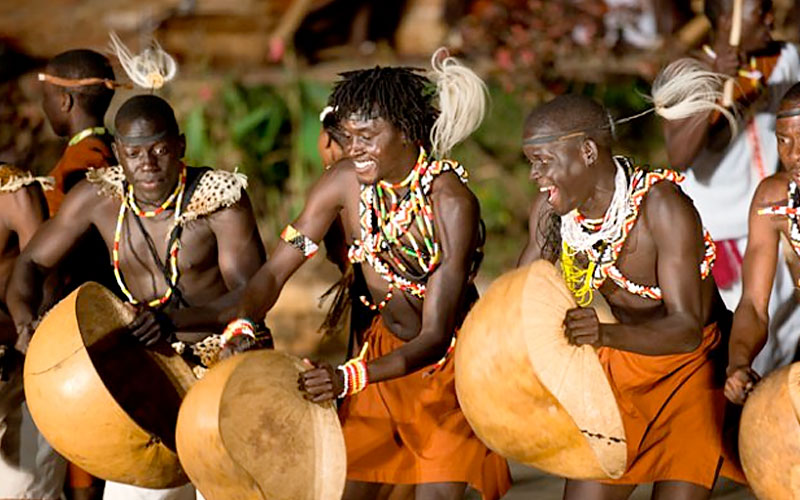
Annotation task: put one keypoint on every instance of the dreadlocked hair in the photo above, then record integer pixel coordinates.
(549, 229)
(401, 96)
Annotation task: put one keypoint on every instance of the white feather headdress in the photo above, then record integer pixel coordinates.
(685, 88)
(150, 69)
(463, 99)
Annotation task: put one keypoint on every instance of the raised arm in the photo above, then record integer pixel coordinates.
(323, 204)
(48, 246)
(676, 230)
(686, 138)
(751, 320)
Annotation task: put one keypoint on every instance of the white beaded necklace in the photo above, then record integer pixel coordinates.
(581, 240)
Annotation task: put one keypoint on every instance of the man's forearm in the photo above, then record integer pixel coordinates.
(211, 316)
(409, 358)
(685, 139)
(668, 335)
(23, 298)
(748, 336)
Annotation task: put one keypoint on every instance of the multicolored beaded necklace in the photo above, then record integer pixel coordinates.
(129, 202)
(604, 255)
(791, 212)
(386, 220)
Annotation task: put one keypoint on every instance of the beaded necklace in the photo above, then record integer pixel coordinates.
(83, 134)
(129, 202)
(387, 231)
(603, 256)
(791, 212)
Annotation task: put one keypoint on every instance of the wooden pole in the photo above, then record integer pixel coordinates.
(734, 39)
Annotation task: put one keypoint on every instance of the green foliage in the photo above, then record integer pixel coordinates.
(267, 132)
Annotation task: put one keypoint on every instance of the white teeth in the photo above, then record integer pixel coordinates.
(363, 165)
(543, 189)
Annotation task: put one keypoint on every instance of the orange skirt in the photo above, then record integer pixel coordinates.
(672, 408)
(410, 430)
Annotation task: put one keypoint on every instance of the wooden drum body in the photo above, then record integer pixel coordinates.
(245, 432)
(769, 435)
(526, 392)
(101, 399)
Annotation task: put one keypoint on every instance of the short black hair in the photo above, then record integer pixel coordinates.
(148, 107)
(573, 113)
(85, 63)
(402, 96)
(714, 9)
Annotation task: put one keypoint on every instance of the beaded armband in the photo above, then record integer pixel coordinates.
(299, 241)
(355, 374)
(356, 377)
(240, 326)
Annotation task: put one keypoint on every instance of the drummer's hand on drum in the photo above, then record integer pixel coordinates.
(581, 326)
(740, 383)
(150, 326)
(321, 383)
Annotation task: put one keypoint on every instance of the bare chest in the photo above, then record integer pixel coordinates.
(144, 245)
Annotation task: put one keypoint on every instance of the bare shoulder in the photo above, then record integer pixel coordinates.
(772, 190)
(84, 200)
(665, 201)
(449, 193)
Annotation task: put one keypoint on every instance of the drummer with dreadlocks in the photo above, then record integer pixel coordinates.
(628, 233)
(414, 226)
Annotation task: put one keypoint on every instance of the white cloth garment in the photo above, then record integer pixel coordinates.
(722, 184)
(119, 491)
(29, 467)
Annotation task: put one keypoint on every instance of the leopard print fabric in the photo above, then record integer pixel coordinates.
(14, 178)
(217, 189)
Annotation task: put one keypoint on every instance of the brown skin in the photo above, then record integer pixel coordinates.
(426, 326)
(751, 320)
(686, 138)
(219, 253)
(66, 117)
(667, 236)
(21, 214)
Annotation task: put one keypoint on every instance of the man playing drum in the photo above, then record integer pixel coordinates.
(773, 214)
(634, 237)
(410, 219)
(178, 236)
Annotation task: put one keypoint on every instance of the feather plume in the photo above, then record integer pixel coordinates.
(463, 99)
(685, 88)
(150, 69)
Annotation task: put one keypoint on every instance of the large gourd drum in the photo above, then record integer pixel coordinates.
(101, 399)
(245, 432)
(527, 393)
(769, 435)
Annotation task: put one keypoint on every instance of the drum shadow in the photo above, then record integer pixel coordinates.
(138, 384)
(135, 377)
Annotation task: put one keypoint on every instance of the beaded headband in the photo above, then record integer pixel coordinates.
(143, 139)
(788, 113)
(80, 82)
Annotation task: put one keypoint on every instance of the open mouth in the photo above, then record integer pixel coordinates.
(363, 165)
(552, 193)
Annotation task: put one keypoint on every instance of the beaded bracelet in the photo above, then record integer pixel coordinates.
(355, 375)
(239, 326)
